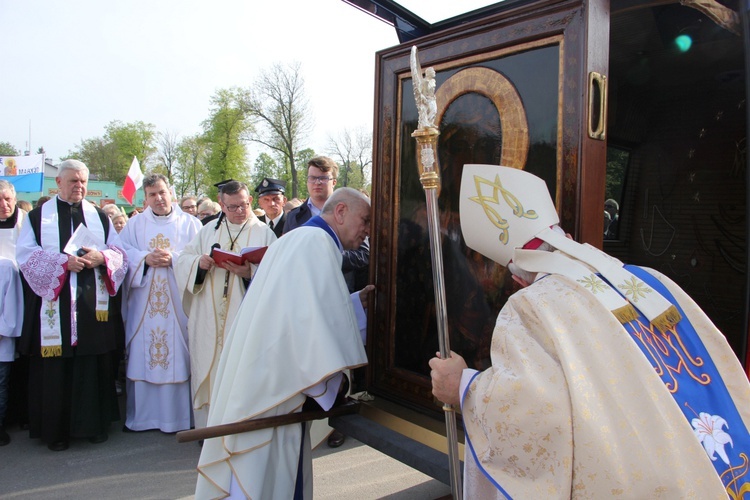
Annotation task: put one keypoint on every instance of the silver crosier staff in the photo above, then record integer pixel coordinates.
(429, 175)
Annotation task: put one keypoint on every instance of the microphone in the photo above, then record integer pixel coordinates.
(211, 253)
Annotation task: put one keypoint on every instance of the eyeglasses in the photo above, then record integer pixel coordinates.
(189, 207)
(204, 214)
(234, 208)
(313, 179)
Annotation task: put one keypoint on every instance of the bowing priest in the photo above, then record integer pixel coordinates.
(158, 372)
(278, 352)
(212, 295)
(68, 330)
(606, 379)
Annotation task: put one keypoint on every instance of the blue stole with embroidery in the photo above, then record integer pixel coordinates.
(688, 372)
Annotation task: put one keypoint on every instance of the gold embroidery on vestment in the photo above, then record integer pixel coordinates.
(158, 297)
(634, 289)
(661, 346)
(159, 241)
(159, 349)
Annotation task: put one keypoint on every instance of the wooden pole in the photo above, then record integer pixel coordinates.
(257, 424)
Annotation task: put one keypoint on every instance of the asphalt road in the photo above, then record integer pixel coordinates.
(152, 465)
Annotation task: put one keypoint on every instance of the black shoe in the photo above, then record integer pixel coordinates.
(99, 438)
(336, 439)
(125, 428)
(4, 437)
(58, 446)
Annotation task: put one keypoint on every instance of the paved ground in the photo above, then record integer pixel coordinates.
(152, 465)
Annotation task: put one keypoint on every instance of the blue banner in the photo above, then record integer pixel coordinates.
(26, 173)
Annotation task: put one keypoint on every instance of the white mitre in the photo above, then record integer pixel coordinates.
(503, 208)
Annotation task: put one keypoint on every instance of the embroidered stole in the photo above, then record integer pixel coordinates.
(675, 350)
(51, 334)
(692, 378)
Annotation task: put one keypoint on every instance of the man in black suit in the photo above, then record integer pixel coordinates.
(271, 199)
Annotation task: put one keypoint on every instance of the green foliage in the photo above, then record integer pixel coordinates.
(303, 157)
(109, 157)
(190, 175)
(7, 149)
(265, 166)
(225, 131)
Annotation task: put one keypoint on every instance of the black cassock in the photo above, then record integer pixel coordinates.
(72, 395)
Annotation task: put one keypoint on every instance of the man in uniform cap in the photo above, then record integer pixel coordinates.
(606, 380)
(271, 199)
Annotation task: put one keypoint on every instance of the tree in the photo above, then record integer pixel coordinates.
(280, 107)
(353, 152)
(130, 139)
(99, 155)
(7, 149)
(109, 157)
(167, 153)
(303, 157)
(225, 131)
(191, 174)
(266, 166)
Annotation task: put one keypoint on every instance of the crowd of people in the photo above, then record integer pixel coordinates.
(98, 303)
(606, 379)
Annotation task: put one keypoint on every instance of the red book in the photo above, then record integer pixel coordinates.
(248, 254)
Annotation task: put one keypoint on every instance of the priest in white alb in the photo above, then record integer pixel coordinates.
(213, 294)
(279, 351)
(158, 373)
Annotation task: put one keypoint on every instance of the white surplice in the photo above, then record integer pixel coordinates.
(210, 311)
(11, 306)
(158, 374)
(11, 310)
(281, 344)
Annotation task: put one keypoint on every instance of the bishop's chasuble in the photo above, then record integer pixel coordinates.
(578, 405)
(158, 374)
(211, 303)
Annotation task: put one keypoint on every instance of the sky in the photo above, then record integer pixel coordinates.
(71, 67)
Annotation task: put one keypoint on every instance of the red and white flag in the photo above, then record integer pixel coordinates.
(133, 181)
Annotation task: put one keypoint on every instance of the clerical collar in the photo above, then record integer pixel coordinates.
(10, 221)
(163, 215)
(76, 204)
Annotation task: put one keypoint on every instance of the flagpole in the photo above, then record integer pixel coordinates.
(429, 175)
